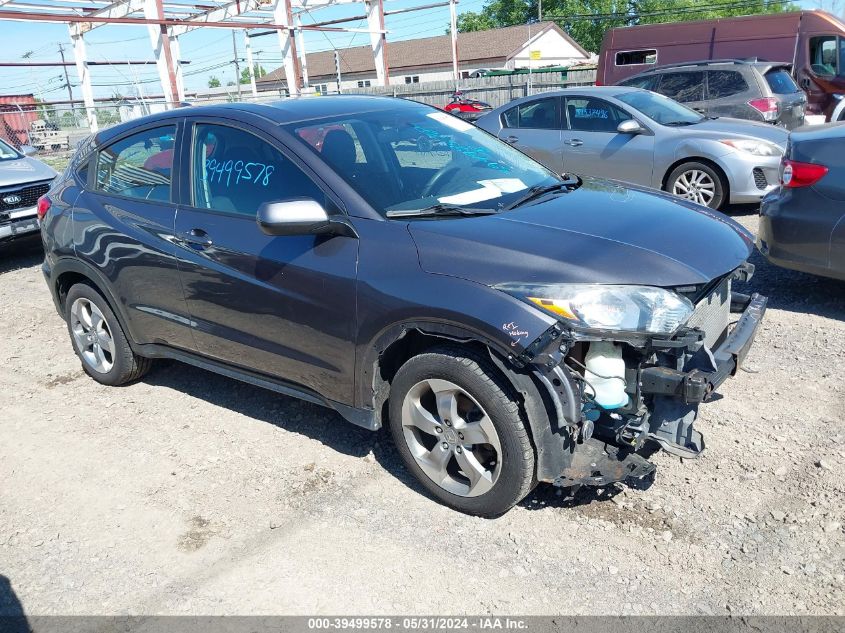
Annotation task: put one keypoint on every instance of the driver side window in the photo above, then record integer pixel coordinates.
(824, 55)
(234, 172)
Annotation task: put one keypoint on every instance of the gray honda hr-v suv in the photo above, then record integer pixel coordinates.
(401, 266)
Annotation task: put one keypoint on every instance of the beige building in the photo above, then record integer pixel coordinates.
(430, 58)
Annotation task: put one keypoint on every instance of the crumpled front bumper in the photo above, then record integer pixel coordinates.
(698, 384)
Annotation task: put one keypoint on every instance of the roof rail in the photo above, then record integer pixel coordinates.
(706, 62)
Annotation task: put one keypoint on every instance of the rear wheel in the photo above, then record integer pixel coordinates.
(460, 432)
(698, 182)
(98, 339)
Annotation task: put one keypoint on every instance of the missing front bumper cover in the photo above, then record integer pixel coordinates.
(595, 463)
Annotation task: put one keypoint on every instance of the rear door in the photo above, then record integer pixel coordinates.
(728, 94)
(533, 127)
(282, 306)
(123, 226)
(792, 100)
(593, 147)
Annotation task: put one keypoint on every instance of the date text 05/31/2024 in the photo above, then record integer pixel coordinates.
(430, 623)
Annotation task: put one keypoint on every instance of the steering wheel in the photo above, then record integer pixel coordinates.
(436, 182)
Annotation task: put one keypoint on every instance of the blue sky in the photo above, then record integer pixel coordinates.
(204, 48)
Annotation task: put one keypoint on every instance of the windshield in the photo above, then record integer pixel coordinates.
(660, 109)
(7, 152)
(416, 158)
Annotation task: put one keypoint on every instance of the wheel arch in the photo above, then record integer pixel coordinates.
(699, 159)
(552, 442)
(68, 272)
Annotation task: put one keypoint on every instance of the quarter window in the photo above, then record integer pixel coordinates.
(631, 58)
(138, 166)
(593, 115)
(235, 172)
(683, 87)
(725, 83)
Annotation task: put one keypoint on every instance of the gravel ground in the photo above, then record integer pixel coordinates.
(191, 493)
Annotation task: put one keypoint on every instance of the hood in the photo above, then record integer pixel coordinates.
(22, 170)
(732, 128)
(603, 232)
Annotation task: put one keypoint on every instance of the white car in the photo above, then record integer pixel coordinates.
(22, 181)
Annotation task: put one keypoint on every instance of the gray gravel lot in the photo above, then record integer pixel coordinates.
(191, 493)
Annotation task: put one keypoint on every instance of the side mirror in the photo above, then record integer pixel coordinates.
(630, 127)
(28, 150)
(298, 216)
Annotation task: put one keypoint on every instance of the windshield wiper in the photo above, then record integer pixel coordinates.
(438, 210)
(540, 190)
(680, 123)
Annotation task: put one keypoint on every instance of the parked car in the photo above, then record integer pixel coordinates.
(757, 91)
(511, 326)
(23, 180)
(811, 41)
(802, 223)
(645, 138)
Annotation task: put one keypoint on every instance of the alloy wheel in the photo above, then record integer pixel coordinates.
(695, 185)
(451, 437)
(92, 335)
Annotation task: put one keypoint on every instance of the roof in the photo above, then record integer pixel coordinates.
(480, 46)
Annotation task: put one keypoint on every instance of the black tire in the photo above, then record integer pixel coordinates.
(126, 366)
(479, 378)
(720, 195)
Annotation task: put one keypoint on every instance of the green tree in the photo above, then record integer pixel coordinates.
(587, 20)
(258, 70)
(213, 82)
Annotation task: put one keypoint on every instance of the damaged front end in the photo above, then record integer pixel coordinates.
(622, 394)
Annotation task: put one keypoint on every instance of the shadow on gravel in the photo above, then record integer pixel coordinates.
(12, 617)
(21, 253)
(549, 496)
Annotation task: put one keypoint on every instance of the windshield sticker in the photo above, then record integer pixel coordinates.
(452, 121)
(489, 190)
(235, 172)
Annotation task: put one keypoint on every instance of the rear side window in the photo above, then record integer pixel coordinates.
(781, 82)
(646, 83)
(631, 58)
(235, 172)
(725, 83)
(538, 115)
(683, 87)
(138, 166)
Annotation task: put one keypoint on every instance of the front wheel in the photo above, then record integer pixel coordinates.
(698, 182)
(459, 431)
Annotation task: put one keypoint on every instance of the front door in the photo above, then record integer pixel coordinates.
(593, 147)
(282, 306)
(533, 127)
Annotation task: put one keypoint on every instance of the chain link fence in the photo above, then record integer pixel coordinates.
(54, 130)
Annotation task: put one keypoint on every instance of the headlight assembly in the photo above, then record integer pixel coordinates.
(757, 148)
(635, 309)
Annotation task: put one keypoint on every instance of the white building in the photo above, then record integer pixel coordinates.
(430, 58)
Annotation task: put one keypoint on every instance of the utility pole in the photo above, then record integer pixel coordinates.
(237, 65)
(67, 80)
(337, 69)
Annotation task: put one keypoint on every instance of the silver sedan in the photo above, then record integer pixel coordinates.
(645, 138)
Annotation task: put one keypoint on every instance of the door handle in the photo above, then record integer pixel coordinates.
(805, 82)
(195, 237)
(574, 142)
(511, 139)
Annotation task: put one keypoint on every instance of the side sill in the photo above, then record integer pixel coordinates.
(360, 417)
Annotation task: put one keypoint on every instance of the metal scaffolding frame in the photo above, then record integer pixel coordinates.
(167, 20)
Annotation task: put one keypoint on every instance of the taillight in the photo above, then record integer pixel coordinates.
(44, 204)
(767, 106)
(795, 174)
